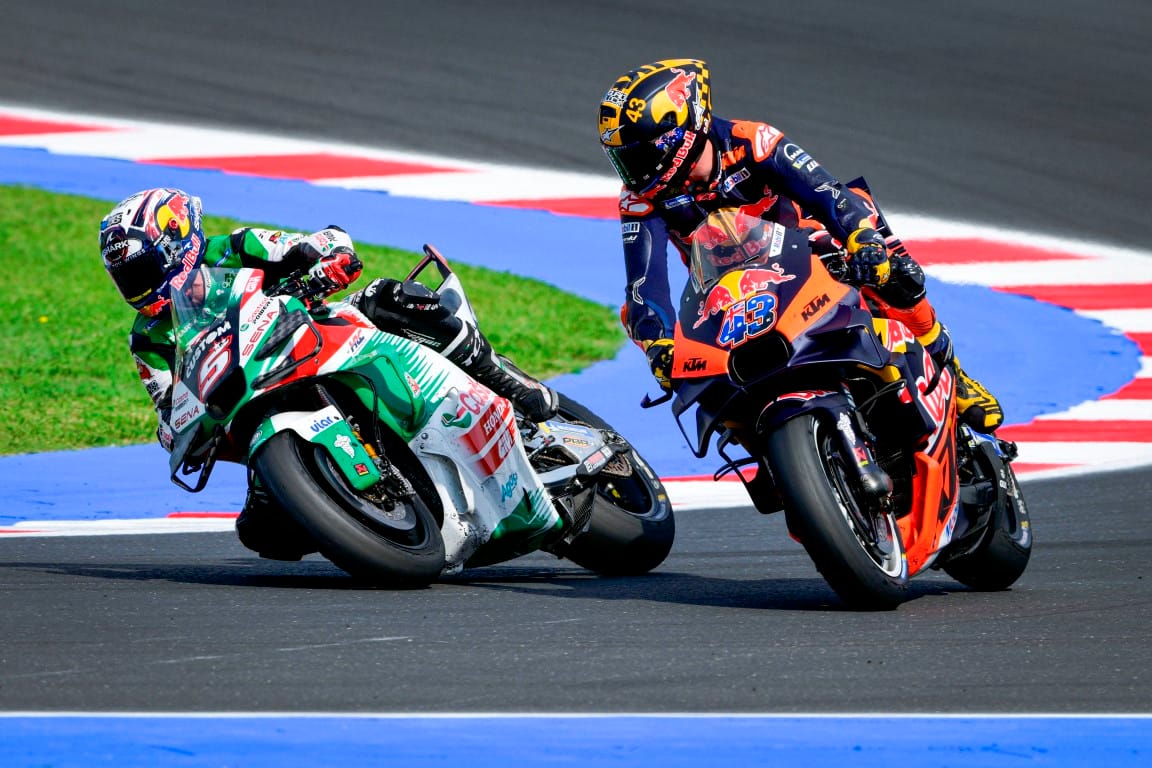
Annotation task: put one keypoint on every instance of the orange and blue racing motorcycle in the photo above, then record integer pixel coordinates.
(844, 420)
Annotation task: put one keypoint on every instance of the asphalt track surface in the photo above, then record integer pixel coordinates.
(1031, 116)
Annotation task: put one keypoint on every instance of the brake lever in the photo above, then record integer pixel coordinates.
(836, 265)
(648, 402)
(294, 285)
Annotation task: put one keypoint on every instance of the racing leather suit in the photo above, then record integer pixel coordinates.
(152, 339)
(761, 171)
(758, 169)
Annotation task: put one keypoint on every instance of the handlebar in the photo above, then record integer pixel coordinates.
(296, 285)
(837, 265)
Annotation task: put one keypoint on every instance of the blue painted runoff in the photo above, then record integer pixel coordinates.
(1037, 357)
(620, 740)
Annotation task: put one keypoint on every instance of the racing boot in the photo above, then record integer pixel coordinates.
(472, 352)
(269, 531)
(978, 408)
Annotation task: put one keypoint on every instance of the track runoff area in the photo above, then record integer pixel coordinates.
(1064, 329)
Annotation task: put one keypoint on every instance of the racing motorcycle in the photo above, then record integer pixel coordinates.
(850, 425)
(397, 465)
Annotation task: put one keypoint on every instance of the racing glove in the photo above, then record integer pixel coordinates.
(334, 273)
(659, 354)
(867, 258)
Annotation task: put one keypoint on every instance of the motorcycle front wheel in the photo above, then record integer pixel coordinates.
(856, 547)
(632, 526)
(393, 543)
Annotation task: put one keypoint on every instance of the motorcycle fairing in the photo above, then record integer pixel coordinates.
(935, 485)
(928, 389)
(494, 502)
(816, 309)
(934, 478)
(843, 336)
(328, 428)
(792, 404)
(689, 395)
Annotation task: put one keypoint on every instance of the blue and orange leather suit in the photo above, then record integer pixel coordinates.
(760, 170)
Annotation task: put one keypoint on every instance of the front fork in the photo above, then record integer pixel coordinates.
(852, 437)
(857, 451)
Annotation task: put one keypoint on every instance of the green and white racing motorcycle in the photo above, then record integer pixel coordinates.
(400, 466)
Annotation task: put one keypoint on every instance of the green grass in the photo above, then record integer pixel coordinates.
(68, 381)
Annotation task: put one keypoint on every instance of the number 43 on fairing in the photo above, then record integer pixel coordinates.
(747, 319)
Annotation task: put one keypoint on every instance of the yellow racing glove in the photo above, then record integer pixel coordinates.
(867, 258)
(659, 352)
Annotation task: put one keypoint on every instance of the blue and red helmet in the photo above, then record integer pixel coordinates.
(654, 123)
(150, 242)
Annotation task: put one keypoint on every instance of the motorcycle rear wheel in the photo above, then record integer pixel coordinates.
(866, 569)
(401, 547)
(1001, 558)
(632, 526)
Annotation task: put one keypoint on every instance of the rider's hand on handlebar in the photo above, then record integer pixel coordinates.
(659, 354)
(333, 273)
(867, 258)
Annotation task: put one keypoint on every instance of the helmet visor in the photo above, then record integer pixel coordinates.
(640, 163)
(667, 158)
(139, 277)
(636, 164)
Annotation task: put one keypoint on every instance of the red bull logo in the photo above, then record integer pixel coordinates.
(718, 300)
(735, 287)
(172, 216)
(722, 230)
(756, 280)
(677, 90)
(188, 262)
(681, 154)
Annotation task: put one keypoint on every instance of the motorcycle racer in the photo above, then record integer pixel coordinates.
(151, 242)
(678, 162)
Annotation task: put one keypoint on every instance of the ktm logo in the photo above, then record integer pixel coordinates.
(693, 365)
(813, 306)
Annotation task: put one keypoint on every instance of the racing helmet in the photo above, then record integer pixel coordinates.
(149, 242)
(654, 124)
